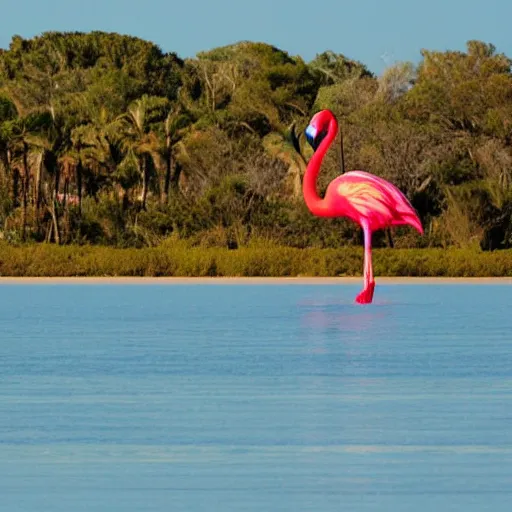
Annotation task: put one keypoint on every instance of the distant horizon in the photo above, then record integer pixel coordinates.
(375, 33)
(417, 61)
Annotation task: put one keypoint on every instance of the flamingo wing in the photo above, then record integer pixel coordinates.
(376, 200)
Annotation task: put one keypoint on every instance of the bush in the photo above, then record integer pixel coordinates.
(177, 258)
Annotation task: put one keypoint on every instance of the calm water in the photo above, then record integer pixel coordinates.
(260, 398)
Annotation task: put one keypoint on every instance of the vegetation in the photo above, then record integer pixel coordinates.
(180, 259)
(105, 140)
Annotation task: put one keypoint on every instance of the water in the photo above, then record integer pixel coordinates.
(255, 398)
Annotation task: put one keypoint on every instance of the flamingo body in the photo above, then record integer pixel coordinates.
(366, 199)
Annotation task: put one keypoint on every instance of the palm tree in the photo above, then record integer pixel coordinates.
(139, 139)
(93, 152)
(27, 144)
(176, 125)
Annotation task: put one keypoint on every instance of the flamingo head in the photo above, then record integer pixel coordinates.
(318, 128)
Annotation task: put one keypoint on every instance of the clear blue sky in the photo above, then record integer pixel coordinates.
(376, 32)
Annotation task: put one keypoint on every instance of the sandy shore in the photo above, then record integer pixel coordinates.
(253, 280)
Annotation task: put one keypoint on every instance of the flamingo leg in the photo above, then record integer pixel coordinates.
(366, 295)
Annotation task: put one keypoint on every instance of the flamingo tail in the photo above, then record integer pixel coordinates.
(410, 219)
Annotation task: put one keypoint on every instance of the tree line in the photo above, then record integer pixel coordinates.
(106, 139)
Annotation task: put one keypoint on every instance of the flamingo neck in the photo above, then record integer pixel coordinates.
(314, 202)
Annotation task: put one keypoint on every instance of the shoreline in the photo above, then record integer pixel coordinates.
(131, 280)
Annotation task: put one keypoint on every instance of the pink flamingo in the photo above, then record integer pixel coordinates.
(372, 202)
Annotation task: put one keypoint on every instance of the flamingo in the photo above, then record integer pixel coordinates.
(366, 199)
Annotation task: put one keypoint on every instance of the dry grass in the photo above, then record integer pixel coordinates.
(179, 259)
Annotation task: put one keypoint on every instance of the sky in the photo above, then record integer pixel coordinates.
(375, 32)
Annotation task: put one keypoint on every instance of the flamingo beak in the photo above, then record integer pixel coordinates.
(311, 136)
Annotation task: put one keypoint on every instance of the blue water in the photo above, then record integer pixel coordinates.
(255, 398)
